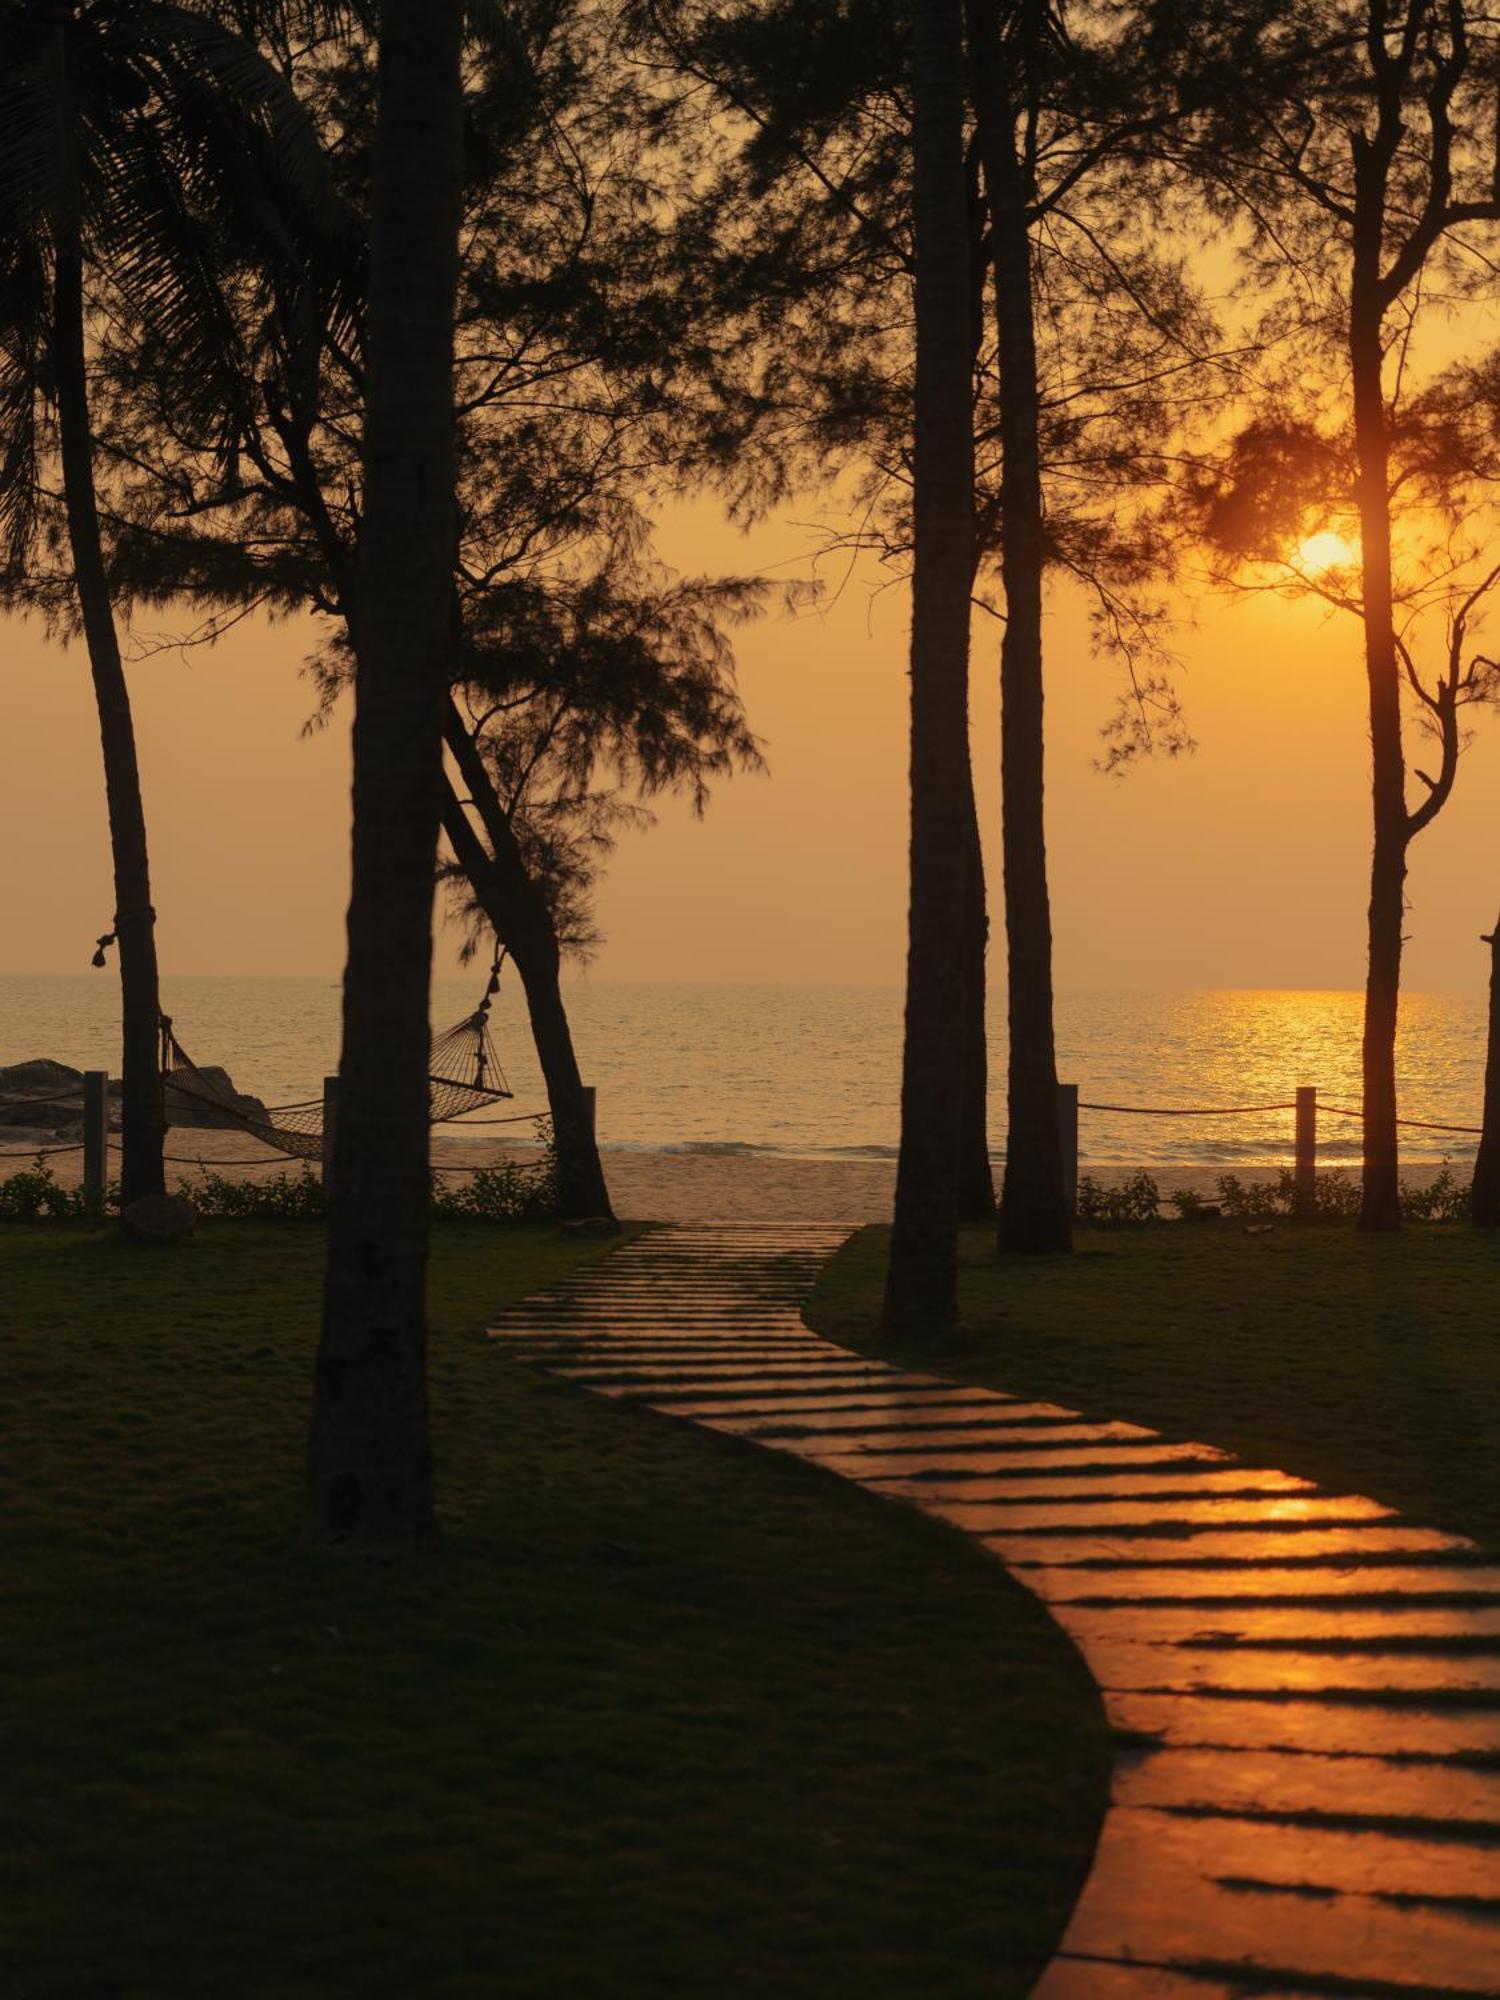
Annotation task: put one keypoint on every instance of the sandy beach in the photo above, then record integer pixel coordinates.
(647, 1186)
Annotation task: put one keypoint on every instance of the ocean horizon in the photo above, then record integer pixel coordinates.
(813, 1070)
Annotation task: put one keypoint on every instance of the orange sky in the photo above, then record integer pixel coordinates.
(1243, 865)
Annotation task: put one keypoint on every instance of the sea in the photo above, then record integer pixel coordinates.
(814, 1071)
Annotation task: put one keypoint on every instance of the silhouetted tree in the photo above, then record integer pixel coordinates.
(1484, 1200)
(568, 420)
(135, 138)
(1359, 146)
(577, 709)
(369, 1462)
(809, 219)
(921, 1291)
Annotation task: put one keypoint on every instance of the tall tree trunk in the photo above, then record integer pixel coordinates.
(141, 1117)
(1035, 1213)
(921, 1293)
(1380, 1205)
(369, 1460)
(976, 1182)
(520, 919)
(1485, 1197)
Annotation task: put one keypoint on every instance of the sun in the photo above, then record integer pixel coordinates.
(1325, 551)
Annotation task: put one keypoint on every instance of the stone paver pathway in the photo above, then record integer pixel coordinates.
(1313, 1806)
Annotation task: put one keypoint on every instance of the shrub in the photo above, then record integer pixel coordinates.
(1444, 1199)
(1135, 1200)
(1188, 1203)
(283, 1197)
(33, 1194)
(514, 1191)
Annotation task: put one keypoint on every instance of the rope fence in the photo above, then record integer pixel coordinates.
(302, 1131)
(1189, 1111)
(1306, 1104)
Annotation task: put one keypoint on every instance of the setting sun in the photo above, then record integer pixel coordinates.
(1326, 550)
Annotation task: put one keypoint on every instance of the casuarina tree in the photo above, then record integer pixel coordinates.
(1079, 389)
(1358, 149)
(369, 1479)
(921, 1291)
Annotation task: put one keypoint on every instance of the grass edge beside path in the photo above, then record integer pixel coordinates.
(665, 1714)
(1369, 1364)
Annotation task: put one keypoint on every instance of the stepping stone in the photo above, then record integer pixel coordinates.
(1306, 1687)
(1288, 1784)
(1326, 1727)
(1392, 1621)
(901, 1414)
(1096, 1979)
(1106, 1455)
(763, 1405)
(1187, 1482)
(916, 1438)
(1268, 1546)
(1369, 1582)
(1118, 1665)
(1158, 1893)
(1285, 1514)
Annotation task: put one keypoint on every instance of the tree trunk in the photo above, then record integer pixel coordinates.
(520, 919)
(369, 1461)
(1034, 1209)
(976, 1181)
(141, 1117)
(1485, 1198)
(921, 1293)
(1380, 1206)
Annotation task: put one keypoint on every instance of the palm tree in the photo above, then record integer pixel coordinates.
(921, 1294)
(369, 1463)
(130, 132)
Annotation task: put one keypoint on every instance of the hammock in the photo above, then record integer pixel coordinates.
(464, 1076)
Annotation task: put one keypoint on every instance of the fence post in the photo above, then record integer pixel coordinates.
(330, 1126)
(1305, 1172)
(95, 1133)
(1067, 1133)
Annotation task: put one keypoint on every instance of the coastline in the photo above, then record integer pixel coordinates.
(685, 1186)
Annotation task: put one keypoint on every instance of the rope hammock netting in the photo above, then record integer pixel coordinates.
(464, 1076)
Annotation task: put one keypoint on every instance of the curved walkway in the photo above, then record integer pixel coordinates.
(1308, 1797)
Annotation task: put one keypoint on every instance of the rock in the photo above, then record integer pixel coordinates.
(186, 1106)
(48, 1117)
(22, 1083)
(159, 1218)
(38, 1076)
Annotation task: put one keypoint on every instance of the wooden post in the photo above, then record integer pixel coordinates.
(330, 1126)
(1484, 1200)
(1067, 1132)
(95, 1133)
(1305, 1172)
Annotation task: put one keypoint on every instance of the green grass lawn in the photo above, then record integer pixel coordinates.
(664, 1715)
(1370, 1364)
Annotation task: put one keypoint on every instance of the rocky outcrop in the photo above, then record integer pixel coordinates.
(190, 1102)
(46, 1096)
(41, 1096)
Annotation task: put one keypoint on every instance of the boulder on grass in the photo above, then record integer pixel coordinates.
(159, 1218)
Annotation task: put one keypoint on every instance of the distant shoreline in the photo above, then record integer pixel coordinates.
(658, 1186)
